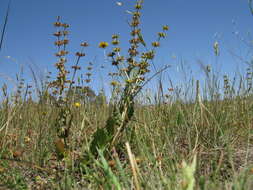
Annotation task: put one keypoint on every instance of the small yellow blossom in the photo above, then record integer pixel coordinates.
(116, 49)
(103, 44)
(77, 104)
(115, 42)
(130, 81)
(148, 55)
(155, 44)
(161, 34)
(27, 139)
(80, 54)
(61, 53)
(39, 180)
(115, 36)
(114, 83)
(166, 27)
(57, 24)
(138, 6)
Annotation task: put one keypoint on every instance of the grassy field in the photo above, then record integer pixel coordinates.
(161, 137)
(67, 137)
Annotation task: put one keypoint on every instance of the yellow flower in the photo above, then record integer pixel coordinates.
(27, 139)
(115, 42)
(57, 24)
(166, 27)
(130, 81)
(148, 55)
(39, 180)
(103, 44)
(77, 104)
(61, 53)
(80, 54)
(161, 34)
(155, 44)
(138, 6)
(115, 36)
(114, 83)
(116, 49)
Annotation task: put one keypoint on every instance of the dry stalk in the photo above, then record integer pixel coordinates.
(133, 166)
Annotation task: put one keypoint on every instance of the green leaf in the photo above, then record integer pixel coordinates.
(100, 140)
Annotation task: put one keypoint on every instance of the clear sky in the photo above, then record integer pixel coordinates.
(194, 27)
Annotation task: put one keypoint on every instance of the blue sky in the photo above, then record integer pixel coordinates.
(194, 27)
